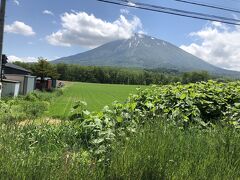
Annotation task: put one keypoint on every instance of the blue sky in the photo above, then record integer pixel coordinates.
(46, 28)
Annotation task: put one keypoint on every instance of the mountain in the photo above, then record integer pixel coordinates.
(143, 51)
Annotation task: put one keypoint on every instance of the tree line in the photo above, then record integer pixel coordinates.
(112, 75)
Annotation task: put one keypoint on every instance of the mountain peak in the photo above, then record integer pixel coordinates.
(143, 51)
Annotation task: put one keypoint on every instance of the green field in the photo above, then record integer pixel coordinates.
(173, 131)
(96, 96)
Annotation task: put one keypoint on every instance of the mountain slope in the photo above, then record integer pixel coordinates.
(143, 52)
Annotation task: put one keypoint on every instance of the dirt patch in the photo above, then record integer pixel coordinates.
(49, 121)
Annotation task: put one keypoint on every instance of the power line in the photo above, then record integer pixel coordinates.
(186, 12)
(172, 11)
(182, 11)
(209, 6)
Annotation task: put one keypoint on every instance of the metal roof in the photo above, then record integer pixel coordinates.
(10, 81)
(13, 66)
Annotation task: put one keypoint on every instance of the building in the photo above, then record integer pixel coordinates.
(10, 88)
(45, 84)
(10, 68)
(13, 74)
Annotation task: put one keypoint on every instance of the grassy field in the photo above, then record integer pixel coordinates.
(96, 96)
(164, 152)
(137, 141)
(157, 151)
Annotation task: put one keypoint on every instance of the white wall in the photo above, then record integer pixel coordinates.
(29, 84)
(16, 77)
(10, 89)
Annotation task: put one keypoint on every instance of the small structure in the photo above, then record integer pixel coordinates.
(46, 84)
(29, 84)
(54, 83)
(14, 73)
(10, 88)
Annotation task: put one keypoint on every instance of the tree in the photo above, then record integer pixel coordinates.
(192, 77)
(44, 69)
(62, 70)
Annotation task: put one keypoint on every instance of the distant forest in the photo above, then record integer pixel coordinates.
(115, 75)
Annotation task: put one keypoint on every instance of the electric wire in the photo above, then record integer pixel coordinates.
(178, 12)
(209, 6)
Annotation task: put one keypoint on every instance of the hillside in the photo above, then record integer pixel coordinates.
(143, 51)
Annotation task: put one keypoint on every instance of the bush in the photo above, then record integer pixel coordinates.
(34, 109)
(200, 105)
(28, 107)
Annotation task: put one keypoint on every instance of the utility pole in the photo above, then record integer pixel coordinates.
(2, 18)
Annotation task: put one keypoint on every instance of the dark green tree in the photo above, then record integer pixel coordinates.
(44, 69)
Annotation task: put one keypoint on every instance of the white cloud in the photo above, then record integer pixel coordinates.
(48, 12)
(88, 31)
(218, 44)
(124, 11)
(16, 2)
(13, 58)
(20, 28)
(131, 4)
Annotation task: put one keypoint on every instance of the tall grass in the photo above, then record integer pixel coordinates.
(165, 152)
(43, 152)
(157, 151)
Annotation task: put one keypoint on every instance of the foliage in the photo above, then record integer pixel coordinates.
(157, 151)
(118, 75)
(44, 69)
(161, 151)
(199, 105)
(192, 77)
(42, 152)
(112, 75)
(159, 133)
(26, 107)
(232, 115)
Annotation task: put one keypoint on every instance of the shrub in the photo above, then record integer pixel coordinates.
(34, 109)
(31, 106)
(200, 105)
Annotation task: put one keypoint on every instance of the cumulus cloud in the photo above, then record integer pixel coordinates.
(13, 58)
(217, 44)
(19, 28)
(47, 12)
(80, 28)
(16, 2)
